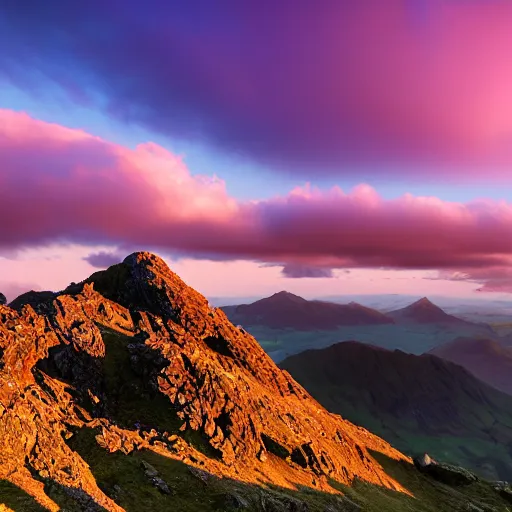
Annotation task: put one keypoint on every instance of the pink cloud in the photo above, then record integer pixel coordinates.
(496, 285)
(61, 185)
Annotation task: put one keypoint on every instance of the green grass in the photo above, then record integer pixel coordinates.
(429, 494)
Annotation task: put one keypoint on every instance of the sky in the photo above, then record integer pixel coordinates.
(324, 148)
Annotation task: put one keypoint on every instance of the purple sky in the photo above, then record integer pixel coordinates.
(328, 148)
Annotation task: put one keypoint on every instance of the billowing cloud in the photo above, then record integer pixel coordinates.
(103, 259)
(325, 84)
(306, 271)
(60, 185)
(57, 183)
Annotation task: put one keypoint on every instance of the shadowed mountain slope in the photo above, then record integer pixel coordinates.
(286, 310)
(487, 359)
(419, 403)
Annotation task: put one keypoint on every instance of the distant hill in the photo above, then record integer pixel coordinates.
(423, 311)
(286, 310)
(487, 359)
(286, 324)
(418, 403)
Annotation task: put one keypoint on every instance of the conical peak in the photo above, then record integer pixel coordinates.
(284, 297)
(285, 294)
(143, 281)
(423, 302)
(139, 257)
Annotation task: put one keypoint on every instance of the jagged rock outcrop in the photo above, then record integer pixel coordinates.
(3, 299)
(213, 377)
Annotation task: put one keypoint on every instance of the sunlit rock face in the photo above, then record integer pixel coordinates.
(139, 356)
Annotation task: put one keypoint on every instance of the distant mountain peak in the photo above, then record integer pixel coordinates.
(285, 297)
(424, 302)
(284, 293)
(411, 399)
(424, 311)
(486, 358)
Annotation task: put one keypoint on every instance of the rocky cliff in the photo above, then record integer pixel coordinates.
(140, 357)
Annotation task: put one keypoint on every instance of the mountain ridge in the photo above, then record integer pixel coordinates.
(217, 381)
(287, 310)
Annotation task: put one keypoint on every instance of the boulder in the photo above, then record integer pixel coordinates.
(445, 473)
(504, 489)
(423, 461)
(161, 485)
(204, 476)
(149, 470)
